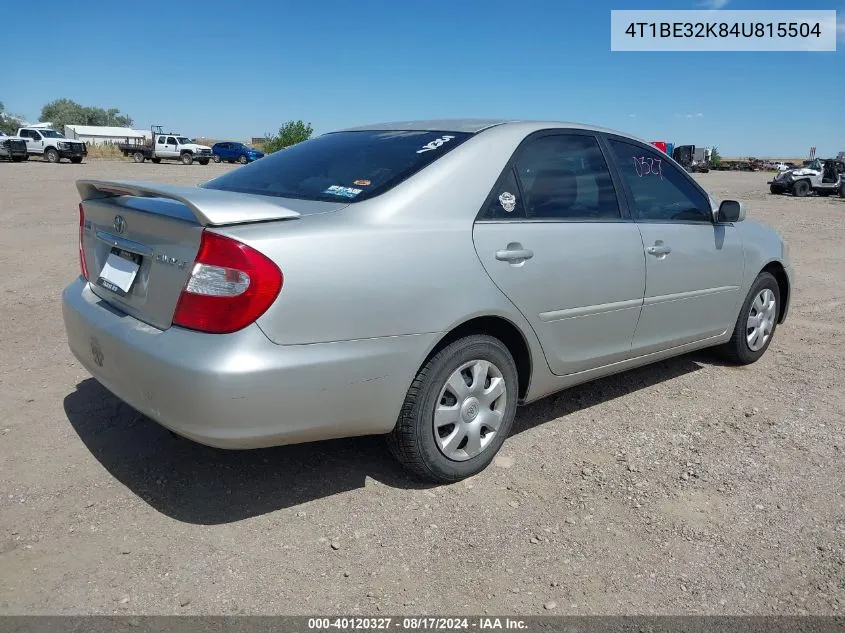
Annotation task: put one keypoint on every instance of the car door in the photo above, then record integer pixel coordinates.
(694, 266)
(226, 151)
(170, 149)
(554, 239)
(34, 142)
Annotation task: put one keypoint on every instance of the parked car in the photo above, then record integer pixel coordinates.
(12, 148)
(417, 280)
(231, 151)
(52, 146)
(824, 177)
(167, 146)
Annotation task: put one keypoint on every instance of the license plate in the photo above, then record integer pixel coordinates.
(120, 271)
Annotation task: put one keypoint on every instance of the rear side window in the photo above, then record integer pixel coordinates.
(340, 166)
(565, 177)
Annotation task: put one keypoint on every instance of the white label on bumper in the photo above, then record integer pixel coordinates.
(118, 272)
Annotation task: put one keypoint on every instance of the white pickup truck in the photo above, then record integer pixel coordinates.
(167, 146)
(52, 146)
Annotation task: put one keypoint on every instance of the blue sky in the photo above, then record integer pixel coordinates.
(219, 68)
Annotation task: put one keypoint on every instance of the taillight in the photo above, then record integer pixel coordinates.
(230, 286)
(83, 267)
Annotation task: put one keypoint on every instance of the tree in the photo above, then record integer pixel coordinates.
(9, 123)
(290, 133)
(62, 112)
(715, 158)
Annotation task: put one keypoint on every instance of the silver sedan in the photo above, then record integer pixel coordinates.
(416, 279)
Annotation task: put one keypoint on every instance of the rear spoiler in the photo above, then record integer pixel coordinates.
(209, 206)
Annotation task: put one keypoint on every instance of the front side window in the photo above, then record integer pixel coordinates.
(184, 140)
(341, 166)
(171, 140)
(660, 191)
(565, 177)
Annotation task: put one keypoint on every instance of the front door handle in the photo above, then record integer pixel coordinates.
(659, 250)
(514, 253)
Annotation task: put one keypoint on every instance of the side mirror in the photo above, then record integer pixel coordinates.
(730, 211)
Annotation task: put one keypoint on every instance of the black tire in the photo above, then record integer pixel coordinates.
(27, 158)
(52, 156)
(139, 157)
(842, 190)
(230, 161)
(217, 159)
(17, 159)
(187, 158)
(243, 160)
(412, 440)
(76, 159)
(156, 160)
(775, 190)
(801, 189)
(736, 350)
(203, 161)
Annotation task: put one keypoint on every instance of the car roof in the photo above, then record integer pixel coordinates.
(473, 126)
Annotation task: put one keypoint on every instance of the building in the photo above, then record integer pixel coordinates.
(105, 135)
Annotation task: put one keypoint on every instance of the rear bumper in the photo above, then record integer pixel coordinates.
(241, 390)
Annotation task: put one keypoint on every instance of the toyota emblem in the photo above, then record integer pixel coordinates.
(119, 224)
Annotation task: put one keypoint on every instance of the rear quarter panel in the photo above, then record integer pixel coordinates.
(402, 263)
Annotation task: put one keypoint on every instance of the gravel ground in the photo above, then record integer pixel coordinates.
(684, 487)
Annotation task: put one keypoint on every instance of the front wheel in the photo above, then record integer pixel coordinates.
(842, 189)
(187, 159)
(17, 159)
(801, 189)
(203, 161)
(756, 324)
(52, 156)
(458, 411)
(76, 159)
(243, 160)
(156, 160)
(217, 159)
(773, 189)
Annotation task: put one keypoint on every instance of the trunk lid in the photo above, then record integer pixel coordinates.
(159, 227)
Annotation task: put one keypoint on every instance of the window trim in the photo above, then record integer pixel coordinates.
(632, 207)
(621, 200)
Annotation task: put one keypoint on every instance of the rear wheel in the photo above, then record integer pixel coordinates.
(17, 159)
(756, 324)
(458, 411)
(800, 188)
(187, 158)
(138, 157)
(52, 156)
(243, 160)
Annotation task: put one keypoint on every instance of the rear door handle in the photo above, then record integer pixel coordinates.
(514, 253)
(659, 249)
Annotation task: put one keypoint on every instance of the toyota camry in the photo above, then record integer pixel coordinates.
(417, 279)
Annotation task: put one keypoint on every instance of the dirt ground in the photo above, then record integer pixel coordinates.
(684, 487)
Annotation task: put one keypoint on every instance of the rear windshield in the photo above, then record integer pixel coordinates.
(341, 166)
